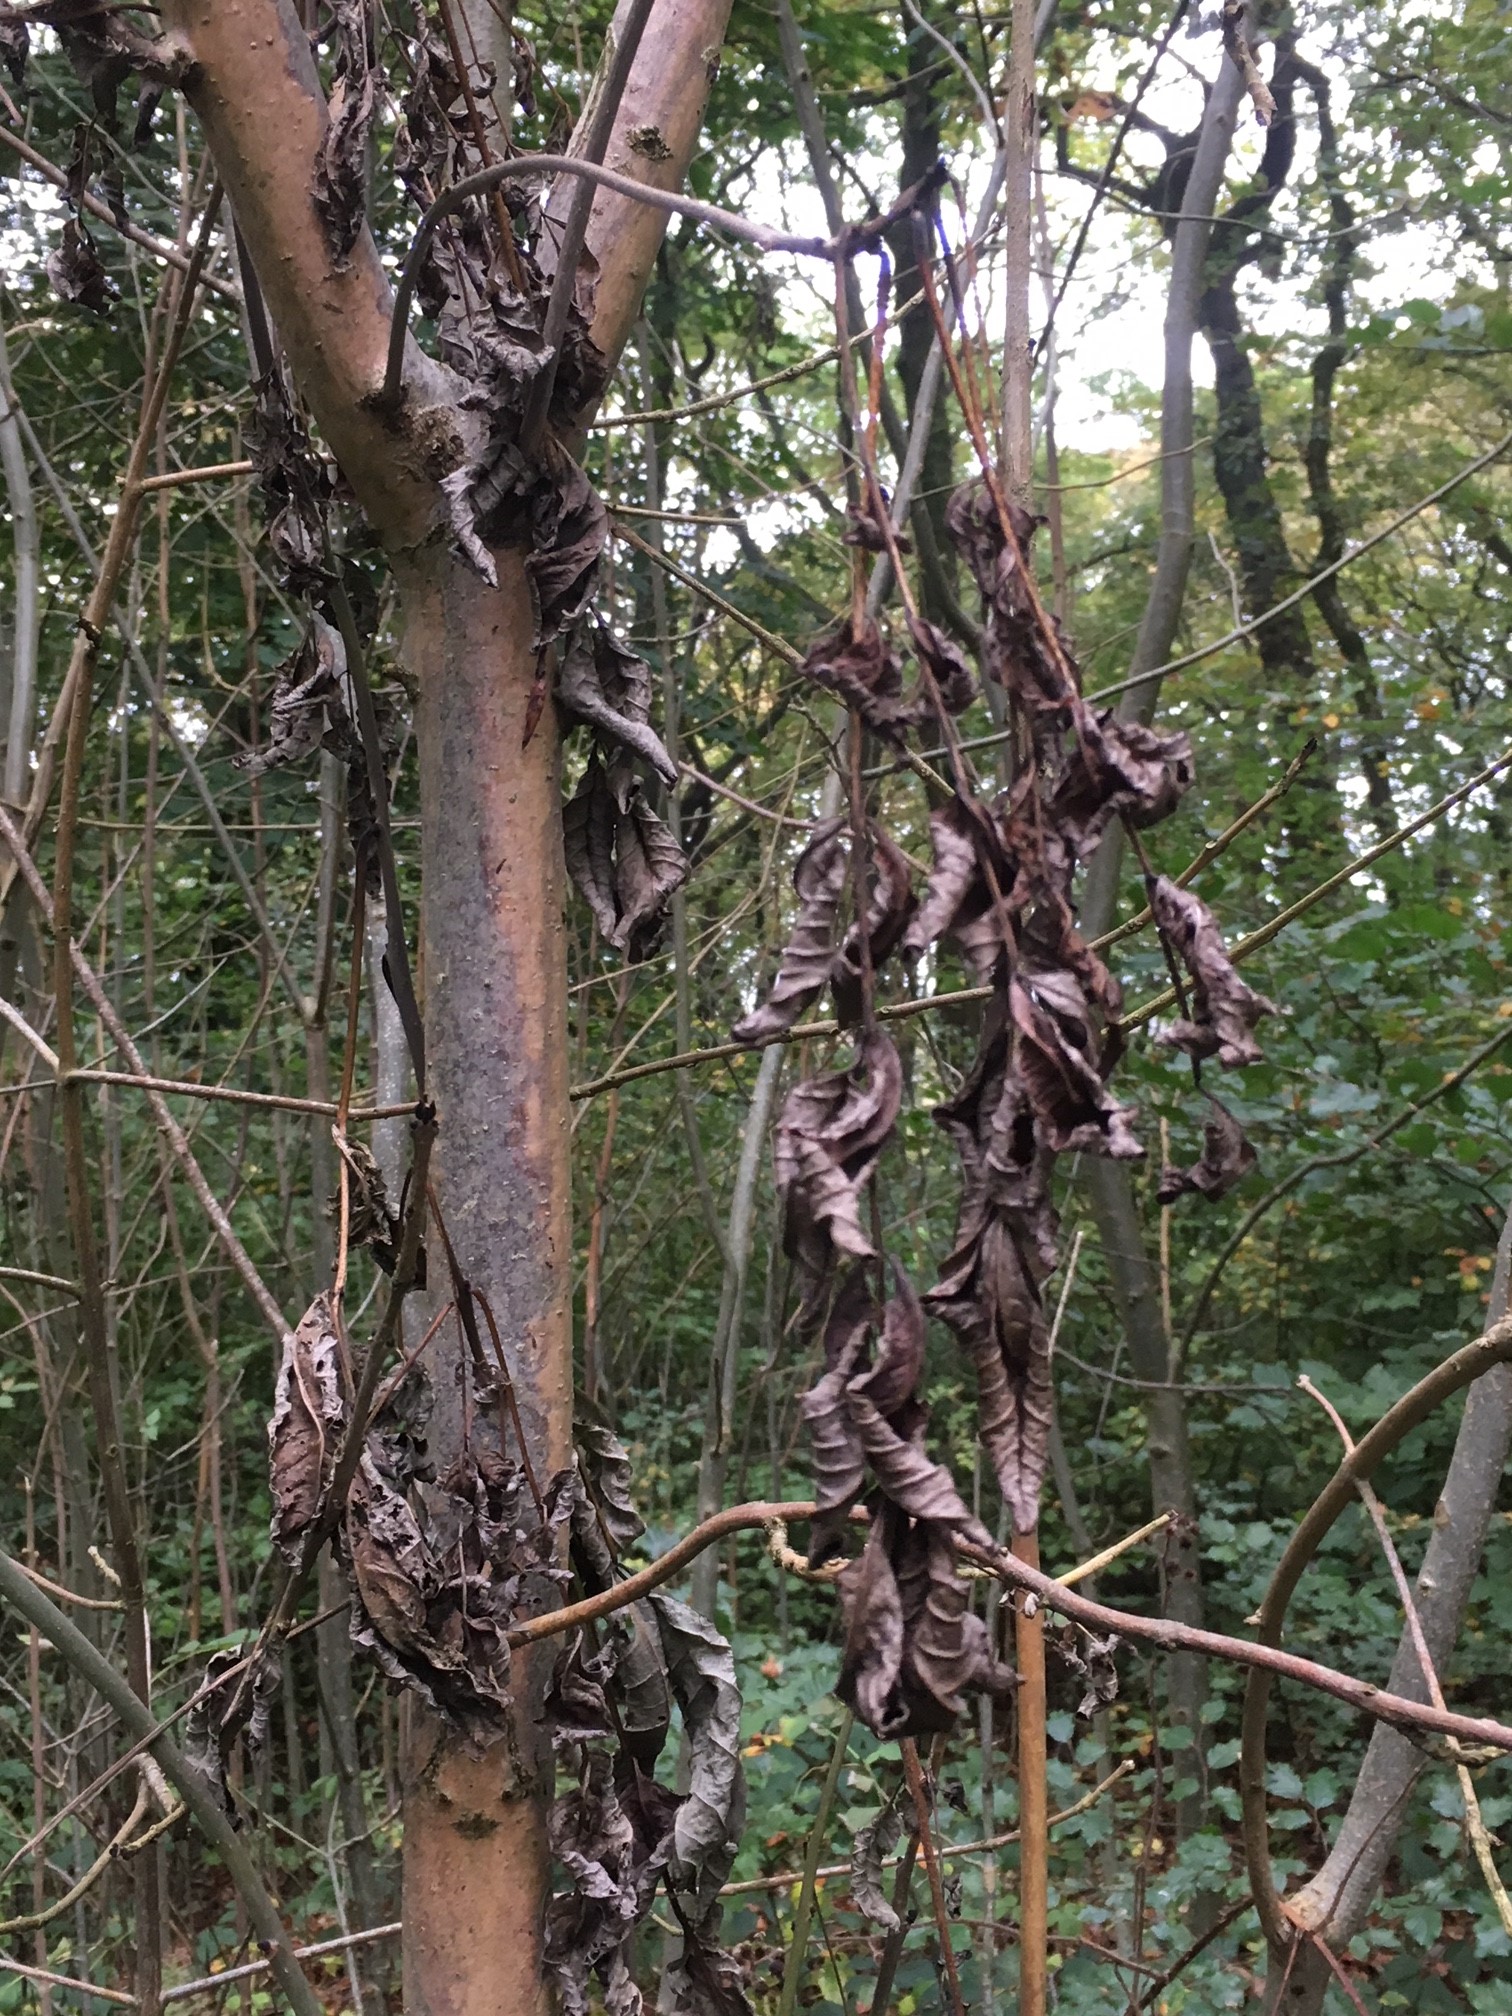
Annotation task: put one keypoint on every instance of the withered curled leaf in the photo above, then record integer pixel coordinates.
(604, 1464)
(839, 1460)
(1227, 1157)
(704, 1979)
(437, 1579)
(870, 1847)
(371, 1221)
(569, 529)
(294, 482)
(811, 960)
(1224, 1008)
(75, 271)
(613, 1882)
(808, 958)
(1091, 1658)
(988, 1295)
(1015, 652)
(576, 1706)
(15, 47)
(706, 1832)
(1056, 1051)
(609, 687)
(1117, 768)
(309, 1413)
(341, 165)
(946, 664)
(222, 1713)
(862, 669)
(913, 1650)
(828, 1136)
(622, 858)
(307, 711)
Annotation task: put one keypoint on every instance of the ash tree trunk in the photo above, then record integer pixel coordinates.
(476, 1857)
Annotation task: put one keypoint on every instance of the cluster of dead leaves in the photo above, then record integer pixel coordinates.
(438, 1566)
(1000, 892)
(619, 1834)
(620, 853)
(913, 1649)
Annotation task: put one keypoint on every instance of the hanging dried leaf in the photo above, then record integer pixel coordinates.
(862, 670)
(811, 959)
(870, 1848)
(828, 1136)
(839, 1460)
(76, 273)
(295, 484)
(1227, 1158)
(370, 1220)
(703, 1979)
(1015, 652)
(569, 529)
(946, 664)
(307, 711)
(603, 684)
(808, 958)
(621, 857)
(576, 1708)
(889, 1420)
(237, 1709)
(309, 1414)
(1091, 1658)
(890, 905)
(341, 166)
(1117, 768)
(435, 1589)
(101, 64)
(706, 1833)
(641, 1689)
(15, 48)
(613, 1884)
(604, 1464)
(988, 1295)
(913, 1651)
(1057, 1060)
(1224, 1009)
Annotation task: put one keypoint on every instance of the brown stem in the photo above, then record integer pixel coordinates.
(913, 1771)
(1034, 1872)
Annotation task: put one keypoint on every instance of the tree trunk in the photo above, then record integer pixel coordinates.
(476, 1857)
(1337, 1901)
(1109, 1183)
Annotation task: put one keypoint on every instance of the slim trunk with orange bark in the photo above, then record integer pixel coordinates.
(476, 1868)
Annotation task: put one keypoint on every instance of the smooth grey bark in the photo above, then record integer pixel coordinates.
(1110, 1187)
(1178, 478)
(1337, 1901)
(26, 620)
(724, 1358)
